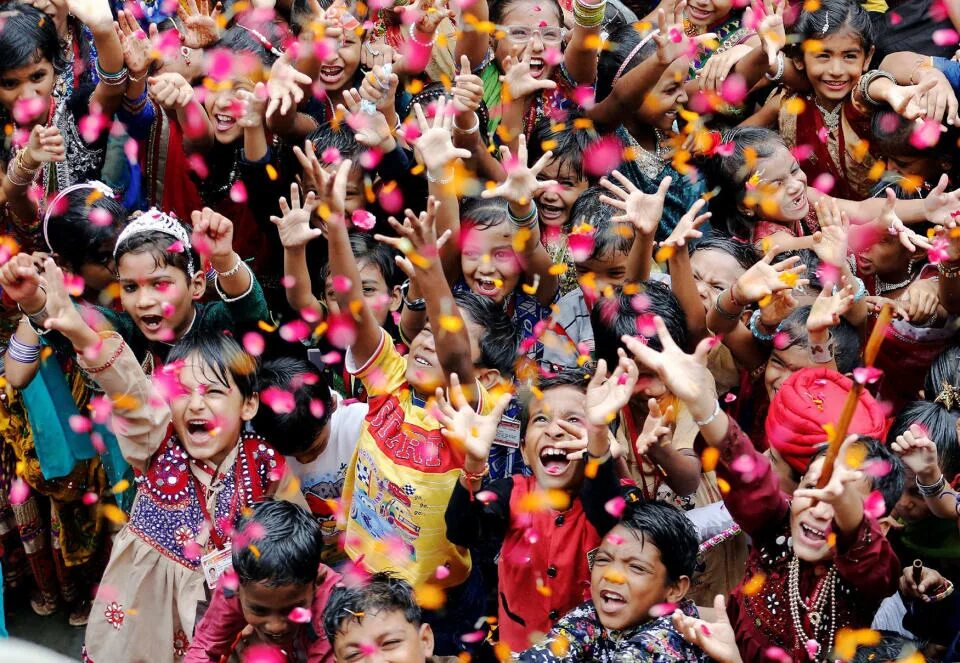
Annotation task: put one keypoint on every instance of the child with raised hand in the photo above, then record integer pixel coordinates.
(278, 595)
(195, 468)
(403, 469)
(640, 573)
(860, 569)
(556, 424)
(919, 454)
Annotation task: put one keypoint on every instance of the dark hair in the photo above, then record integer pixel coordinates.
(156, 244)
(944, 373)
(845, 338)
(744, 253)
(483, 213)
(608, 236)
(567, 144)
(288, 552)
(941, 427)
(340, 138)
(622, 40)
(240, 38)
(365, 247)
(617, 316)
(810, 260)
(432, 92)
(891, 135)
(577, 378)
(78, 241)
(889, 484)
(28, 35)
(221, 356)
(833, 17)
(728, 174)
(384, 592)
(498, 342)
(294, 432)
(500, 7)
(669, 530)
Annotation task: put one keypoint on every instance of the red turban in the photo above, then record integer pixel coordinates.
(808, 400)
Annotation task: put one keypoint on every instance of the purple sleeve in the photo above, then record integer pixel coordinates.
(754, 499)
(218, 630)
(866, 561)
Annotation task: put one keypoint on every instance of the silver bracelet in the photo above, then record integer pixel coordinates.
(933, 489)
(230, 300)
(709, 420)
(472, 130)
(780, 69)
(868, 78)
(230, 272)
(439, 180)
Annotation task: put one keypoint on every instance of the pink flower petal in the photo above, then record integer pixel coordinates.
(867, 374)
(342, 331)
(80, 424)
(279, 400)
(442, 572)
(19, 491)
(581, 246)
(300, 616)
(925, 135)
(316, 408)
(734, 89)
(89, 499)
(238, 192)
(253, 343)
(341, 284)
(603, 155)
(824, 183)
(615, 506)
(945, 37)
(486, 496)
(294, 331)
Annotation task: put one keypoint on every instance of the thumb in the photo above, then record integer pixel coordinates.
(464, 64)
(405, 265)
(720, 607)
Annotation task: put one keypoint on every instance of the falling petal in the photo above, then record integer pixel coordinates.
(279, 400)
(615, 506)
(300, 615)
(253, 343)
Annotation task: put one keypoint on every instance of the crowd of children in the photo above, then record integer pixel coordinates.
(447, 330)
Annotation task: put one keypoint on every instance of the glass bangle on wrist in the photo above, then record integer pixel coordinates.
(709, 420)
(230, 272)
(780, 69)
(525, 221)
(472, 130)
(933, 489)
(413, 38)
(755, 328)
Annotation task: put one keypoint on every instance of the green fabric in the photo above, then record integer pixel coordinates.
(490, 75)
(932, 538)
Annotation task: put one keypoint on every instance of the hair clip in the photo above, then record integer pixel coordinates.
(154, 220)
(262, 39)
(826, 23)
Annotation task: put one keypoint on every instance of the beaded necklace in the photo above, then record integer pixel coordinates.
(821, 609)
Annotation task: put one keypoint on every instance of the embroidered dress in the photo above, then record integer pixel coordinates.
(146, 605)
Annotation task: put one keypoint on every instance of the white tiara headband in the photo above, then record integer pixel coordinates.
(154, 220)
(93, 185)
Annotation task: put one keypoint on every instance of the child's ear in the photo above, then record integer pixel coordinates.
(249, 408)
(426, 640)
(866, 62)
(396, 298)
(677, 590)
(198, 285)
(798, 62)
(489, 377)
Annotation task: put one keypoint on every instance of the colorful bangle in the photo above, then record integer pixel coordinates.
(755, 328)
(933, 489)
(115, 79)
(588, 16)
(24, 353)
(110, 362)
(719, 538)
(16, 164)
(413, 37)
(477, 476)
(947, 590)
(526, 221)
(950, 272)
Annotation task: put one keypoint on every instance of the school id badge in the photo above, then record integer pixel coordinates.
(215, 564)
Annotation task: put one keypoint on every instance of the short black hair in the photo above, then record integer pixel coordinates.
(288, 551)
(483, 213)
(845, 338)
(293, 432)
(890, 484)
(578, 378)
(669, 530)
(28, 35)
(566, 141)
(944, 374)
(941, 427)
(810, 260)
(830, 18)
(617, 316)
(341, 138)
(157, 245)
(727, 175)
(221, 356)
(365, 247)
(744, 253)
(498, 8)
(75, 239)
(499, 342)
(608, 236)
(384, 592)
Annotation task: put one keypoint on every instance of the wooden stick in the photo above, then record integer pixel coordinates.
(850, 406)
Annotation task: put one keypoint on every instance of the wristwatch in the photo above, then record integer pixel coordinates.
(416, 304)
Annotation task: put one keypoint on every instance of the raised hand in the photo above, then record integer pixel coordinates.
(464, 426)
(217, 231)
(426, 15)
(312, 170)
(891, 223)
(843, 476)
(467, 89)
(137, 48)
(642, 210)
(171, 90)
(940, 206)
(830, 244)
(930, 581)
(45, 145)
(685, 375)
(294, 226)
(671, 40)
(200, 25)
(777, 307)
(521, 184)
(607, 395)
(657, 429)
(828, 308)
(940, 100)
(766, 18)
(719, 66)
(22, 282)
(253, 104)
(377, 53)
(95, 14)
(416, 239)
(380, 86)
(62, 315)
(435, 144)
(368, 124)
(763, 279)
(687, 227)
(909, 101)
(283, 86)
(921, 301)
(517, 80)
(918, 452)
(717, 639)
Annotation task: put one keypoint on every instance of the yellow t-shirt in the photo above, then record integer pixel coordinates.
(400, 480)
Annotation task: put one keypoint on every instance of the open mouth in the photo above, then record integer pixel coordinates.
(420, 361)
(489, 287)
(224, 122)
(537, 67)
(813, 536)
(151, 323)
(611, 601)
(550, 212)
(331, 74)
(698, 14)
(800, 201)
(554, 461)
(199, 430)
